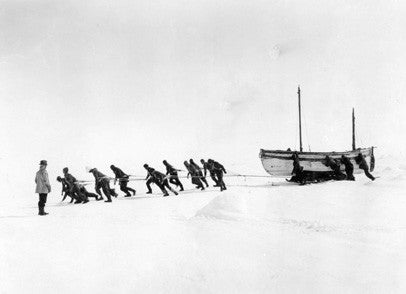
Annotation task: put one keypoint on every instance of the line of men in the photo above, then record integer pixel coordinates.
(79, 194)
(195, 172)
(301, 176)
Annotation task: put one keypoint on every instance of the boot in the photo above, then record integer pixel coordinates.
(41, 211)
(149, 192)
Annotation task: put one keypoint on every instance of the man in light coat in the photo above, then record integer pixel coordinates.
(43, 186)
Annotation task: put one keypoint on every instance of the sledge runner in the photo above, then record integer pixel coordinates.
(194, 175)
(43, 187)
(159, 179)
(360, 160)
(349, 168)
(173, 175)
(199, 172)
(335, 166)
(218, 170)
(123, 179)
(206, 167)
(102, 182)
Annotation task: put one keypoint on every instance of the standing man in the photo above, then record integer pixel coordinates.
(173, 175)
(123, 180)
(43, 186)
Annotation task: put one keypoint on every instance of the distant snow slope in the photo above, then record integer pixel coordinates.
(259, 236)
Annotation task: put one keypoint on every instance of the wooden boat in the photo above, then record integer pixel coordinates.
(280, 163)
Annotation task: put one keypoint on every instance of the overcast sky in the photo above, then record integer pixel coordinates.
(127, 82)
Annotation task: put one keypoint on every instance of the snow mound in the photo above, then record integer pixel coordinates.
(227, 206)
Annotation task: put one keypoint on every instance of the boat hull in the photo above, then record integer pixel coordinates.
(280, 163)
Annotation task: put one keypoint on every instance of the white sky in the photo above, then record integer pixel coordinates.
(128, 82)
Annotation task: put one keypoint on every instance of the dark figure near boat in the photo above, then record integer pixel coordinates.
(360, 160)
(123, 179)
(207, 167)
(218, 170)
(159, 179)
(194, 174)
(335, 166)
(297, 171)
(349, 168)
(199, 172)
(173, 175)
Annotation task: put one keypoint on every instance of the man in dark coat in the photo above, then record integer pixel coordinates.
(218, 170)
(173, 175)
(335, 166)
(360, 160)
(149, 179)
(73, 188)
(199, 172)
(349, 167)
(102, 182)
(123, 179)
(192, 171)
(297, 171)
(207, 167)
(159, 179)
(65, 189)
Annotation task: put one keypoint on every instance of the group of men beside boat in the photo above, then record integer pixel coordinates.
(301, 176)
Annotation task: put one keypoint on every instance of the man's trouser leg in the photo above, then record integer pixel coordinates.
(41, 203)
(213, 177)
(220, 180)
(124, 188)
(166, 184)
(203, 179)
(106, 189)
(148, 183)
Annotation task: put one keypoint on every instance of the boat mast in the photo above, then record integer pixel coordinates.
(300, 120)
(353, 130)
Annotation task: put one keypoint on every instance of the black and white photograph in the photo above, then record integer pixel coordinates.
(202, 146)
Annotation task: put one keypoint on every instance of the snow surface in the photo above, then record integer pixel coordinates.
(262, 235)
